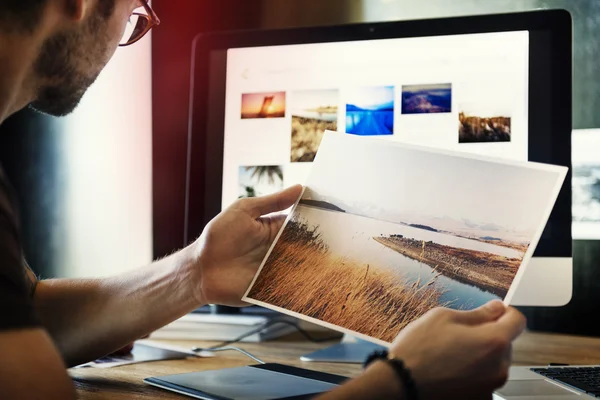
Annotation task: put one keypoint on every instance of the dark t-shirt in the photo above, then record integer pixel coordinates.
(17, 281)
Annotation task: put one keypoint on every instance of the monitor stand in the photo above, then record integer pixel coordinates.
(350, 350)
(221, 323)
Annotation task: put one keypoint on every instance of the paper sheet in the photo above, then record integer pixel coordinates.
(385, 231)
(143, 351)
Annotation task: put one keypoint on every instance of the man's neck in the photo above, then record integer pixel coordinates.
(17, 87)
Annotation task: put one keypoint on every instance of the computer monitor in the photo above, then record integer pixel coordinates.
(498, 85)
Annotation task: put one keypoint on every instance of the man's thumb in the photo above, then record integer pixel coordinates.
(259, 206)
(488, 312)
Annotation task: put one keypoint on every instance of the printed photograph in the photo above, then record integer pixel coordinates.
(586, 184)
(255, 181)
(263, 105)
(313, 112)
(427, 99)
(370, 111)
(484, 121)
(373, 245)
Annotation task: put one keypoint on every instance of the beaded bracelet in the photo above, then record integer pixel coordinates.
(403, 373)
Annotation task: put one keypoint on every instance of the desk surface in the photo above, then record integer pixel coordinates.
(126, 382)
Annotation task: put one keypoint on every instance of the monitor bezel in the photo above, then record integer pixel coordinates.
(204, 167)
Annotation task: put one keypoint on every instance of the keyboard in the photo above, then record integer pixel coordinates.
(584, 379)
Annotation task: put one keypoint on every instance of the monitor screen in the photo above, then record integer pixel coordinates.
(495, 85)
(466, 93)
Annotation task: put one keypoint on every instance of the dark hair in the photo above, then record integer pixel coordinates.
(25, 14)
(20, 14)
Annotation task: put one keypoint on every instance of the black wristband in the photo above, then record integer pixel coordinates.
(403, 373)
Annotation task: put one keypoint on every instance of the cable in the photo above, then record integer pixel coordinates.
(263, 327)
(225, 345)
(244, 352)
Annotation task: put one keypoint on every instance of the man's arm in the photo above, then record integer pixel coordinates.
(31, 368)
(89, 318)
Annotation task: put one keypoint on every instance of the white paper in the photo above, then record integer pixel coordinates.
(386, 231)
(144, 351)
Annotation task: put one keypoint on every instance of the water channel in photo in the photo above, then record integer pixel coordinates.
(352, 236)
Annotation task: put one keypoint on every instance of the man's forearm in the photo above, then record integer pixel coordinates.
(90, 318)
(379, 382)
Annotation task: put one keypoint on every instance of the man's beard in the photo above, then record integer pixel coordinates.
(67, 66)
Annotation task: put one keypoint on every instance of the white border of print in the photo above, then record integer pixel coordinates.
(561, 171)
(583, 230)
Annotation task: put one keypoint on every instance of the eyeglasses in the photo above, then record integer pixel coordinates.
(139, 24)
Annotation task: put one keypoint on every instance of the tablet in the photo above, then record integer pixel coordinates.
(255, 382)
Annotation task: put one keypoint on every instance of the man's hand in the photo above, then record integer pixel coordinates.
(233, 245)
(451, 355)
(460, 353)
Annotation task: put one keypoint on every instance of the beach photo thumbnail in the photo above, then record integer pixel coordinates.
(368, 258)
(261, 180)
(427, 99)
(263, 105)
(313, 112)
(370, 111)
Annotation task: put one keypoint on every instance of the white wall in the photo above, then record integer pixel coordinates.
(108, 146)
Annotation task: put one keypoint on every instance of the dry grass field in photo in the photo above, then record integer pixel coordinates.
(302, 275)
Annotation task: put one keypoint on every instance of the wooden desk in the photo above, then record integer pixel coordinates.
(126, 382)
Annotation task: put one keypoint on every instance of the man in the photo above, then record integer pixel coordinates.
(50, 53)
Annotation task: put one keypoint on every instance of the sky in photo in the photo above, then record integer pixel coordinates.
(395, 183)
(442, 87)
(253, 102)
(370, 98)
(262, 186)
(311, 99)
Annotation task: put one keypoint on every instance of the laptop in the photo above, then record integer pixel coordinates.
(551, 383)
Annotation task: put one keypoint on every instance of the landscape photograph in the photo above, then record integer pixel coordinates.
(263, 105)
(427, 99)
(261, 180)
(586, 184)
(485, 121)
(370, 111)
(313, 112)
(368, 257)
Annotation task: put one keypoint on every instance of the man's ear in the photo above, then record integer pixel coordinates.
(76, 9)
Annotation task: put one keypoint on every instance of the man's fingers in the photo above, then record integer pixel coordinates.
(259, 206)
(274, 222)
(511, 324)
(489, 312)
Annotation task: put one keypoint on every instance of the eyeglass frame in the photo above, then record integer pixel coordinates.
(152, 19)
